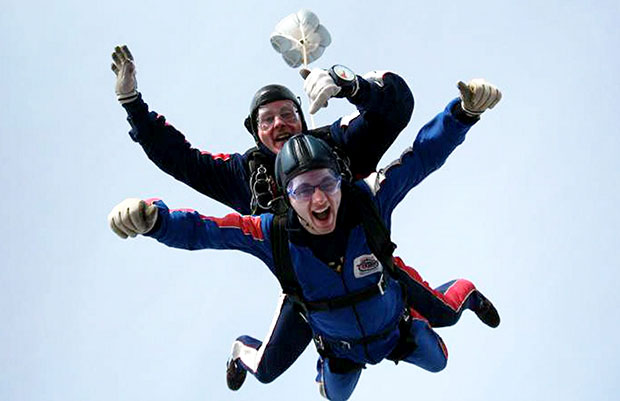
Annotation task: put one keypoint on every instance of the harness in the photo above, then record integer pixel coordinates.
(267, 199)
(380, 244)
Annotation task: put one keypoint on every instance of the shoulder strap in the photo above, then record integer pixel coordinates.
(282, 259)
(377, 234)
(323, 133)
(252, 155)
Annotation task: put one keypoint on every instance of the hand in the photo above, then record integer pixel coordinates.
(478, 95)
(319, 87)
(132, 217)
(125, 70)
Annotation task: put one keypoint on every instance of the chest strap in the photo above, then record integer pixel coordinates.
(348, 299)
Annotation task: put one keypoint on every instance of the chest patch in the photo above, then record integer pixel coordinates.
(365, 265)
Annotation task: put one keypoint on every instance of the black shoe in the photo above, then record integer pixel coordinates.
(235, 374)
(487, 312)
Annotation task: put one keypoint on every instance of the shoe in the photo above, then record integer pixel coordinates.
(487, 312)
(235, 374)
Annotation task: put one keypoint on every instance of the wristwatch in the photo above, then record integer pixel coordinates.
(345, 79)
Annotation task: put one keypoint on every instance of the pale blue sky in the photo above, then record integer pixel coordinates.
(526, 207)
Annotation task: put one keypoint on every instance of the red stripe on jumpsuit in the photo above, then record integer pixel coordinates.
(217, 156)
(454, 297)
(249, 225)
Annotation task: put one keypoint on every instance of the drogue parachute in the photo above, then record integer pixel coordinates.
(300, 38)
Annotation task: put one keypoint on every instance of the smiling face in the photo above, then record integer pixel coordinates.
(315, 196)
(277, 122)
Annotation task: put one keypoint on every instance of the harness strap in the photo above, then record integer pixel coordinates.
(406, 344)
(348, 299)
(282, 259)
(377, 234)
(324, 344)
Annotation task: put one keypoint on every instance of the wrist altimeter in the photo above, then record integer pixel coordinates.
(345, 78)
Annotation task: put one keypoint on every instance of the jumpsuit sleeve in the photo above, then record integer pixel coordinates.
(222, 177)
(432, 146)
(188, 229)
(384, 106)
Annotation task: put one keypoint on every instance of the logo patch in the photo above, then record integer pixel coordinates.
(365, 265)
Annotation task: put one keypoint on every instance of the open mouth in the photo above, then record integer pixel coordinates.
(322, 215)
(282, 138)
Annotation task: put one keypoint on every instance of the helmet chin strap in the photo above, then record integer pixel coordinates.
(304, 223)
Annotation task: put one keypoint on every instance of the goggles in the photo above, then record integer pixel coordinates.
(286, 114)
(329, 184)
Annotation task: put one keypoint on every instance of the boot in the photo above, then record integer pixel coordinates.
(487, 312)
(235, 374)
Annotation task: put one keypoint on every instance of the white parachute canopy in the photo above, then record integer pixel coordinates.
(300, 38)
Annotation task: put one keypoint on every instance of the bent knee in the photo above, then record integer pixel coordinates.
(266, 377)
(437, 365)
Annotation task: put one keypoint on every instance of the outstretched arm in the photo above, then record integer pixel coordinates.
(432, 146)
(188, 229)
(219, 176)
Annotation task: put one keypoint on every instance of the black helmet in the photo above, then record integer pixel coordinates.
(268, 94)
(303, 153)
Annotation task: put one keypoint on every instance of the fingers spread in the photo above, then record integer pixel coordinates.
(116, 59)
(127, 53)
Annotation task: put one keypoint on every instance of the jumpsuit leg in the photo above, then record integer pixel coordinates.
(288, 337)
(430, 352)
(336, 386)
(442, 306)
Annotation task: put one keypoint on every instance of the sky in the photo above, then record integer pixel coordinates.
(526, 208)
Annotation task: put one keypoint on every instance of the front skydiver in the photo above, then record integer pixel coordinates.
(330, 253)
(384, 103)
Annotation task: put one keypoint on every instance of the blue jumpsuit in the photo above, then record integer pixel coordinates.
(346, 330)
(384, 104)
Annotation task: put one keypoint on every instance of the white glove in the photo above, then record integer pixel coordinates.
(319, 87)
(132, 217)
(478, 95)
(125, 70)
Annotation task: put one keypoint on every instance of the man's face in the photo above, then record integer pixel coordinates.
(277, 122)
(315, 195)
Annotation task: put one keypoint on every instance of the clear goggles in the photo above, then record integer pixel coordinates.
(268, 118)
(302, 187)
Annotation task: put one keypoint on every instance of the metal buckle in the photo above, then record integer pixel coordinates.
(319, 342)
(382, 284)
(261, 187)
(345, 344)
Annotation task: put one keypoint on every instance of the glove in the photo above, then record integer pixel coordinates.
(125, 70)
(132, 217)
(478, 95)
(320, 87)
